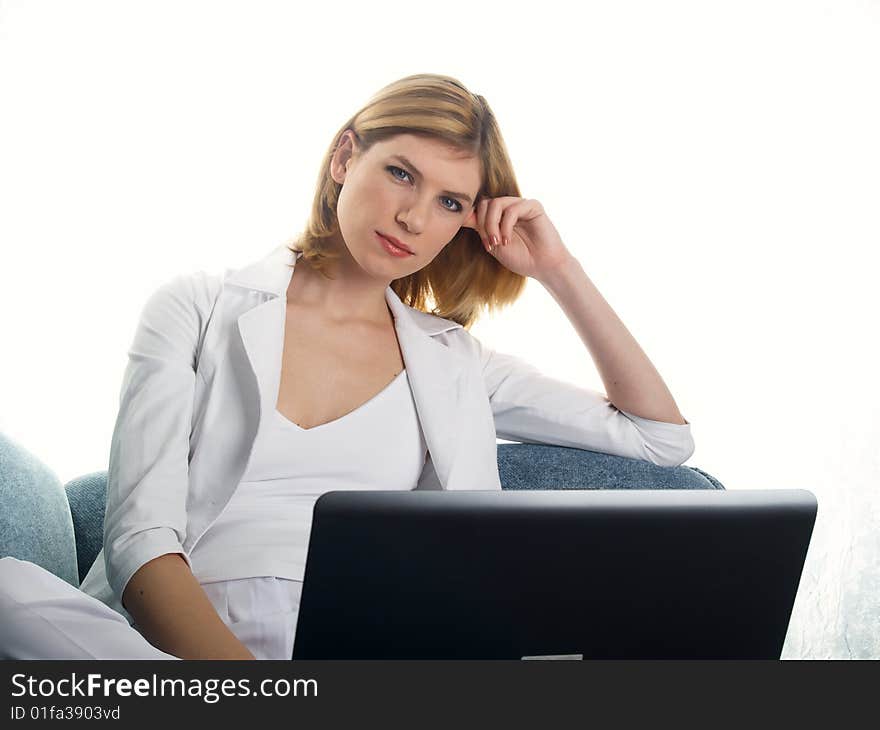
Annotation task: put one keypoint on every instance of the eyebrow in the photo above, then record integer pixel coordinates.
(416, 171)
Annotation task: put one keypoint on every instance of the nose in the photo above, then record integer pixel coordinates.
(405, 224)
(414, 217)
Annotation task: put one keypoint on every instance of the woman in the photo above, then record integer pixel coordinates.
(321, 367)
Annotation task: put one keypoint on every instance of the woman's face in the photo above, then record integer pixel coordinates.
(422, 200)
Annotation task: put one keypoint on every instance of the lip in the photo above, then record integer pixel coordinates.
(397, 243)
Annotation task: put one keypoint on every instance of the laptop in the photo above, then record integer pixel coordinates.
(545, 574)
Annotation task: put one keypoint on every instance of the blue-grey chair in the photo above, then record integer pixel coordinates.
(61, 527)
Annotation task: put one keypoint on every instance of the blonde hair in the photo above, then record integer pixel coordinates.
(462, 279)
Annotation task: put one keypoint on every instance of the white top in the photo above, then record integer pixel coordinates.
(264, 529)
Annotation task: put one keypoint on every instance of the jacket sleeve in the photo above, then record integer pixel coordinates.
(531, 407)
(148, 476)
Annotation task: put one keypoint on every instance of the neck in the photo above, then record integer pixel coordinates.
(349, 297)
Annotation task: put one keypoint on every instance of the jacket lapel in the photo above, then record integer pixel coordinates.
(435, 374)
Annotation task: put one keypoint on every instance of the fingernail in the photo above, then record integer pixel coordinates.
(494, 240)
(505, 240)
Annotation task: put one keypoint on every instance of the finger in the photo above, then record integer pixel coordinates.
(496, 209)
(511, 214)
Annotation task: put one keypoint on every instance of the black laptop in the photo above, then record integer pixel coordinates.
(521, 574)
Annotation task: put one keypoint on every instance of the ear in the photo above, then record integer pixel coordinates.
(471, 220)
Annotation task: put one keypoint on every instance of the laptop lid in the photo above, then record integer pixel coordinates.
(592, 574)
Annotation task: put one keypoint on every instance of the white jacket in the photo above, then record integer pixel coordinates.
(190, 406)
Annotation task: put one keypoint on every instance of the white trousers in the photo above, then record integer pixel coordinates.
(44, 617)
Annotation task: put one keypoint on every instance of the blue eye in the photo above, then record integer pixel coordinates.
(392, 168)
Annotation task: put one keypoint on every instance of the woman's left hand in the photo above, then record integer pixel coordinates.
(533, 248)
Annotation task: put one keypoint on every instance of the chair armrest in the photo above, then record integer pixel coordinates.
(542, 466)
(35, 519)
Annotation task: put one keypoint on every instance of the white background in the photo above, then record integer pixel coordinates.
(714, 167)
